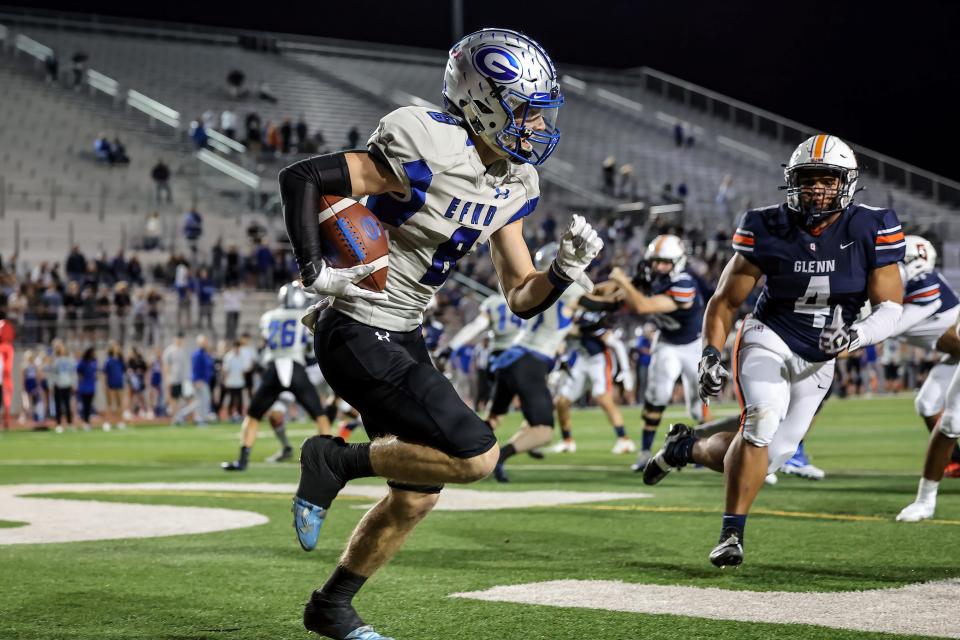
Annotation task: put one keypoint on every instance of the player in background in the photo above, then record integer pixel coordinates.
(929, 321)
(823, 255)
(593, 367)
(494, 314)
(284, 370)
(664, 290)
(441, 183)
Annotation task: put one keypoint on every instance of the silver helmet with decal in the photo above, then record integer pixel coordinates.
(504, 85)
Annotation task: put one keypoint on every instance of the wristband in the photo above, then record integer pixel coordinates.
(709, 351)
(558, 278)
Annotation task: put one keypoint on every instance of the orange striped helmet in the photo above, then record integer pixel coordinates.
(821, 153)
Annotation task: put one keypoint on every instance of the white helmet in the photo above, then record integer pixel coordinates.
(292, 296)
(920, 257)
(821, 153)
(669, 248)
(502, 82)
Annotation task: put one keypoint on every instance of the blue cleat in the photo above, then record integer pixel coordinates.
(307, 520)
(365, 632)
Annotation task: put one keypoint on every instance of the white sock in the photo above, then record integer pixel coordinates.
(927, 492)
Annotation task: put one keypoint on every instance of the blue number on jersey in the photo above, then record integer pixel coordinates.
(447, 254)
(286, 331)
(505, 315)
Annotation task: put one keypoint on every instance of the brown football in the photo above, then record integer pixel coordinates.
(352, 235)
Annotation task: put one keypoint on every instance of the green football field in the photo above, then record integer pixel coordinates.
(809, 545)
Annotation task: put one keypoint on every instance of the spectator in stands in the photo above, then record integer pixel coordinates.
(353, 138)
(103, 306)
(201, 372)
(193, 230)
(119, 152)
(300, 128)
(609, 171)
(155, 398)
(71, 307)
(52, 66)
(137, 383)
(678, 136)
(183, 284)
(232, 272)
(79, 68)
(138, 311)
(254, 137)
(286, 136)
(153, 229)
(64, 381)
(88, 312)
(161, 180)
(725, 198)
(232, 305)
(273, 142)
(114, 371)
(205, 292)
(154, 304)
(86, 385)
(235, 80)
(103, 149)
(209, 119)
(121, 306)
(198, 133)
(52, 301)
(228, 123)
(76, 264)
(265, 266)
(174, 363)
(626, 183)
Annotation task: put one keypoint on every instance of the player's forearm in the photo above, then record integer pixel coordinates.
(301, 186)
(878, 326)
(537, 293)
(914, 314)
(717, 322)
(469, 331)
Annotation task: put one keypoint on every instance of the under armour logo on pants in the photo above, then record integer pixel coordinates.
(382, 336)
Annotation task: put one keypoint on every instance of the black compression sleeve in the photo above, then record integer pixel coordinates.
(560, 283)
(301, 185)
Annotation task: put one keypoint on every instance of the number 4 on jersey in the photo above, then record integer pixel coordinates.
(815, 302)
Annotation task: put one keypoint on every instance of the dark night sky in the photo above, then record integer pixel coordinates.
(879, 74)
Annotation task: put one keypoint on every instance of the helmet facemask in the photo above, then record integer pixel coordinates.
(816, 202)
(531, 132)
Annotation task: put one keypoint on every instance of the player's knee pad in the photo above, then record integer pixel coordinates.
(760, 423)
(652, 414)
(950, 425)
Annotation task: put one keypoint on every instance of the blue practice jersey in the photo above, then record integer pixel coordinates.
(683, 325)
(927, 288)
(808, 275)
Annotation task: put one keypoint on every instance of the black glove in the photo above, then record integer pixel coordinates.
(712, 374)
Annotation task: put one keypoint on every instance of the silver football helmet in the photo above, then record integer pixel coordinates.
(292, 296)
(505, 86)
(821, 153)
(545, 255)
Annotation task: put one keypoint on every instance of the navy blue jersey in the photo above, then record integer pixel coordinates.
(592, 325)
(683, 325)
(927, 288)
(808, 275)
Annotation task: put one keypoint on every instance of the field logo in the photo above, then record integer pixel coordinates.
(497, 63)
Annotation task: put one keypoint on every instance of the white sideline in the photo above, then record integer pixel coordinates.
(54, 520)
(922, 609)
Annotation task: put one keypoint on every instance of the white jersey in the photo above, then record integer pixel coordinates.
(546, 332)
(452, 203)
(284, 335)
(504, 324)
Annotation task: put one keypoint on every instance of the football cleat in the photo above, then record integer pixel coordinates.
(282, 456)
(917, 511)
(799, 465)
(952, 470)
(500, 474)
(643, 459)
(565, 446)
(234, 465)
(729, 553)
(307, 520)
(623, 445)
(536, 454)
(771, 479)
(338, 620)
(665, 461)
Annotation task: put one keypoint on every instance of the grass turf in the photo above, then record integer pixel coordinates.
(250, 583)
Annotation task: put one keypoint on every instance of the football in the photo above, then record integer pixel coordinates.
(352, 235)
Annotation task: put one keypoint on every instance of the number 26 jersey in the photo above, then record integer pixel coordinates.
(807, 275)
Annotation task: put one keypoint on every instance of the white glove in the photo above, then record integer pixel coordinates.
(338, 283)
(625, 378)
(711, 374)
(578, 247)
(836, 336)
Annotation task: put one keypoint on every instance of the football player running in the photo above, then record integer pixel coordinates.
(823, 255)
(929, 321)
(441, 182)
(672, 297)
(283, 358)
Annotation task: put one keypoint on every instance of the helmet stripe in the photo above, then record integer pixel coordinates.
(656, 247)
(818, 147)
